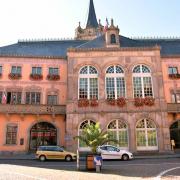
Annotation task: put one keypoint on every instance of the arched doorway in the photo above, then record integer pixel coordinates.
(42, 133)
(146, 135)
(175, 133)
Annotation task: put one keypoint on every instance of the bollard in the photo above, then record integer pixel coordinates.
(98, 168)
(77, 160)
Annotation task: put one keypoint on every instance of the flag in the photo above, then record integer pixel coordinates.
(4, 98)
(106, 26)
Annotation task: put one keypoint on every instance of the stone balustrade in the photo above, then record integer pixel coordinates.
(32, 109)
(173, 107)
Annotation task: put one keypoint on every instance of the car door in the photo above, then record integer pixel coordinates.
(60, 153)
(113, 152)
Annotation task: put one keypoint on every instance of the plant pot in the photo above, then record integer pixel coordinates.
(90, 162)
(93, 160)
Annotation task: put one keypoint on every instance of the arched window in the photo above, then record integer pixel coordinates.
(113, 39)
(88, 83)
(119, 130)
(142, 81)
(81, 127)
(146, 135)
(115, 83)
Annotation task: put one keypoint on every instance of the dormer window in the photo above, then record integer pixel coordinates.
(113, 39)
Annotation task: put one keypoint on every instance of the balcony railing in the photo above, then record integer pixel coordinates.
(32, 109)
(173, 107)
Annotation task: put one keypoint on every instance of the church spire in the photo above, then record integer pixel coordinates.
(92, 20)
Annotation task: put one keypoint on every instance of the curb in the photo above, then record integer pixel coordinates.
(135, 157)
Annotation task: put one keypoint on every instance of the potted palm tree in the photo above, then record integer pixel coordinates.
(93, 136)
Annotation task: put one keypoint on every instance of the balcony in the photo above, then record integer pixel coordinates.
(173, 107)
(32, 109)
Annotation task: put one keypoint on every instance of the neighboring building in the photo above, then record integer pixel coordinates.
(50, 90)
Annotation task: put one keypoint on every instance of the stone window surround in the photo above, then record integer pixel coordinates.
(88, 76)
(141, 75)
(52, 92)
(114, 76)
(5, 137)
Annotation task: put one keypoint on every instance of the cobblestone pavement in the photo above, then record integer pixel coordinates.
(112, 170)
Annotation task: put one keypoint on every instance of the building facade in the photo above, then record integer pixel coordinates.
(50, 90)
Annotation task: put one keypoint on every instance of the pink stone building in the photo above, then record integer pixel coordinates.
(50, 90)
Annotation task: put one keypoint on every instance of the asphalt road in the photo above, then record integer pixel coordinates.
(60, 170)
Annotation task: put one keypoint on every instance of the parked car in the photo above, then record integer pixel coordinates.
(54, 152)
(112, 152)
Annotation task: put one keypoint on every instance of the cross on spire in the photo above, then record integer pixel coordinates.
(92, 20)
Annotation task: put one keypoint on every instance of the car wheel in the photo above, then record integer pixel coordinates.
(68, 158)
(125, 157)
(42, 158)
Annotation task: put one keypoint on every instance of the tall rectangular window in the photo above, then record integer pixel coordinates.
(176, 98)
(33, 98)
(83, 88)
(52, 100)
(37, 70)
(173, 70)
(13, 98)
(1, 96)
(137, 84)
(16, 70)
(11, 134)
(110, 88)
(53, 71)
(93, 88)
(0, 69)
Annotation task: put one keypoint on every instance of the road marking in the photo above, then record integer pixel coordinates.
(166, 171)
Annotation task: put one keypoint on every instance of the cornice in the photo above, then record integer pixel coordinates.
(115, 49)
(171, 56)
(29, 56)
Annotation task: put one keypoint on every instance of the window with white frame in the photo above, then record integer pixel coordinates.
(172, 70)
(81, 127)
(88, 83)
(119, 131)
(37, 70)
(53, 71)
(11, 134)
(115, 83)
(142, 81)
(146, 135)
(16, 70)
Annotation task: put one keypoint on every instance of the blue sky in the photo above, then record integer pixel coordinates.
(34, 19)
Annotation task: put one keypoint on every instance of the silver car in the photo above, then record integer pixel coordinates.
(112, 152)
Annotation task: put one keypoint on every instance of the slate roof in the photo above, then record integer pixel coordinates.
(58, 48)
(169, 47)
(40, 48)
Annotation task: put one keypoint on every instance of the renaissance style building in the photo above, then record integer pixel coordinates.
(50, 90)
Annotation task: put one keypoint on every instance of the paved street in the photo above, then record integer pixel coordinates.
(135, 169)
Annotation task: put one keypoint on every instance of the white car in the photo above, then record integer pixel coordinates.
(112, 152)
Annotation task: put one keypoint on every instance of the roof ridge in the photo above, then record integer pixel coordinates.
(45, 40)
(156, 38)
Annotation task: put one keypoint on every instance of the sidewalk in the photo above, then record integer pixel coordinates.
(30, 156)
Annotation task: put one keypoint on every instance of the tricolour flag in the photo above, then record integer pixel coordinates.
(4, 98)
(106, 26)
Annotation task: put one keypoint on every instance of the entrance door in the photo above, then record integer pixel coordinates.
(175, 133)
(41, 134)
